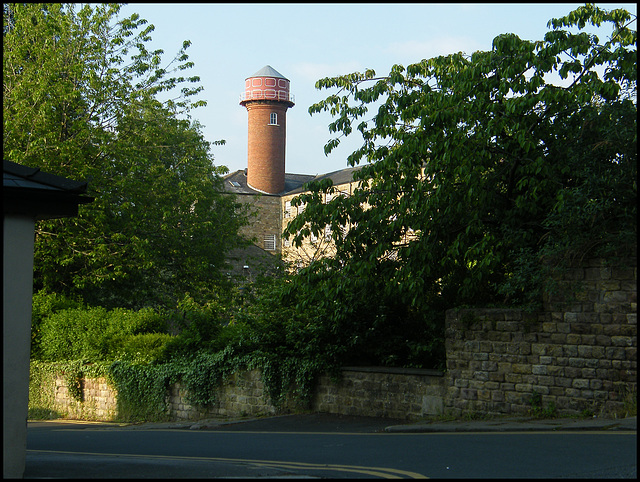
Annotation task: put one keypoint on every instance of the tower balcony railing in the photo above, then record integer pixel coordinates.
(267, 94)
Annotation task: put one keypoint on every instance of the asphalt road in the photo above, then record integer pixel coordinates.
(321, 446)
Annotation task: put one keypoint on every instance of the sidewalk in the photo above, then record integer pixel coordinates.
(519, 424)
(324, 422)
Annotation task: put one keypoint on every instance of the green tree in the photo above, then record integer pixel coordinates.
(478, 168)
(85, 98)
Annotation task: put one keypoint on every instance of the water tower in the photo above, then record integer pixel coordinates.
(266, 97)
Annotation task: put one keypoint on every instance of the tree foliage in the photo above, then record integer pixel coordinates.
(85, 98)
(480, 171)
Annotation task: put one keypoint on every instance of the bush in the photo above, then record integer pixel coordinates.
(132, 322)
(198, 327)
(95, 334)
(44, 305)
(74, 334)
(143, 348)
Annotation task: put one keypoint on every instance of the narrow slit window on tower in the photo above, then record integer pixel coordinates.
(273, 119)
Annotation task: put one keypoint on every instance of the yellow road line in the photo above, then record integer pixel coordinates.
(385, 473)
(349, 468)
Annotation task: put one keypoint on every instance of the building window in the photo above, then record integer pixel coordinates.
(270, 242)
(287, 209)
(327, 232)
(273, 119)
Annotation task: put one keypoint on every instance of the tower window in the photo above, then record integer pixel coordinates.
(273, 119)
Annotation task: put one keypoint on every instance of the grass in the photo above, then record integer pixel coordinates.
(43, 414)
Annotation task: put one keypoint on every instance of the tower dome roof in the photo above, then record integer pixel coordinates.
(268, 71)
(267, 84)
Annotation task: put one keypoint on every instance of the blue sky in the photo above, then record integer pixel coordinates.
(306, 42)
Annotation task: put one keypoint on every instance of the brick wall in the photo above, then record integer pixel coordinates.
(266, 146)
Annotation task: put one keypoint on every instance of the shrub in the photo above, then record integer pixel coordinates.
(95, 334)
(74, 334)
(44, 305)
(142, 348)
(132, 322)
(198, 327)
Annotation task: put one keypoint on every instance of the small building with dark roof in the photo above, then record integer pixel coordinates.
(31, 192)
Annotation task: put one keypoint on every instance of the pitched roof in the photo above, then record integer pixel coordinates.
(30, 191)
(268, 71)
(343, 176)
(236, 182)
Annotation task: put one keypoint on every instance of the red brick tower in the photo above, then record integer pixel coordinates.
(266, 97)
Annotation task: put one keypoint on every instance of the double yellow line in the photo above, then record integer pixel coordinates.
(380, 472)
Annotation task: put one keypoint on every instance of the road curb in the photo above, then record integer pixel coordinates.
(518, 425)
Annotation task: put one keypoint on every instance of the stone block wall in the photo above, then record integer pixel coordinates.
(409, 394)
(99, 400)
(267, 219)
(243, 394)
(578, 354)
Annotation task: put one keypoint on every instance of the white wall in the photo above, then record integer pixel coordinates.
(18, 238)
